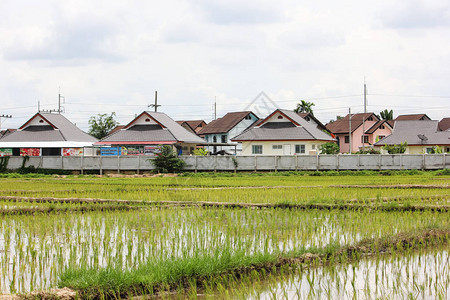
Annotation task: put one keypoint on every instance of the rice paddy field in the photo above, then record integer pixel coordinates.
(362, 235)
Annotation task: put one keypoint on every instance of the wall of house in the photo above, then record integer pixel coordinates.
(386, 131)
(240, 127)
(357, 135)
(287, 147)
(38, 121)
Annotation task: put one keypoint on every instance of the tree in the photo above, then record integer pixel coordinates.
(101, 125)
(329, 148)
(304, 107)
(167, 161)
(387, 114)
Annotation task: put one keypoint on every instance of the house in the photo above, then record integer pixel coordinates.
(283, 132)
(220, 132)
(313, 120)
(444, 124)
(421, 135)
(192, 125)
(357, 131)
(47, 134)
(145, 133)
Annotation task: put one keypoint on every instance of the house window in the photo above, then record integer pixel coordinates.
(277, 147)
(382, 127)
(207, 138)
(313, 146)
(257, 149)
(248, 117)
(299, 149)
(370, 119)
(381, 137)
(365, 139)
(429, 150)
(214, 139)
(447, 150)
(224, 138)
(346, 139)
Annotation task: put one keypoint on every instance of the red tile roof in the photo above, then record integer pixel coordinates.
(444, 124)
(342, 125)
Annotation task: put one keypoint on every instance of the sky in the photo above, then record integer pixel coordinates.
(109, 56)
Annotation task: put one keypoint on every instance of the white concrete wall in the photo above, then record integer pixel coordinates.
(269, 150)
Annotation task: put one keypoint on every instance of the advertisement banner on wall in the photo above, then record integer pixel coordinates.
(72, 151)
(30, 151)
(6, 152)
(110, 151)
(132, 150)
(151, 150)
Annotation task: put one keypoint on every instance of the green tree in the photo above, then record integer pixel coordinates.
(329, 148)
(304, 107)
(167, 161)
(387, 114)
(101, 125)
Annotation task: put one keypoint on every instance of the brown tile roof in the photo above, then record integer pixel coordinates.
(412, 117)
(192, 125)
(342, 125)
(224, 124)
(377, 125)
(444, 124)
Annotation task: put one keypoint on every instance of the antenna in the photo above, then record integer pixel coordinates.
(60, 110)
(349, 131)
(4, 116)
(422, 138)
(365, 95)
(215, 108)
(156, 102)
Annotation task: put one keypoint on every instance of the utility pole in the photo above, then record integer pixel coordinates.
(349, 131)
(365, 111)
(4, 116)
(215, 108)
(156, 102)
(59, 101)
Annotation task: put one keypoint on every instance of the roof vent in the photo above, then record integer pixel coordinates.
(147, 120)
(280, 117)
(41, 121)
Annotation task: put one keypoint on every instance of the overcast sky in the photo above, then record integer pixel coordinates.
(110, 56)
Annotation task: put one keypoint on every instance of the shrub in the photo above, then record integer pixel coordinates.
(329, 148)
(166, 160)
(396, 149)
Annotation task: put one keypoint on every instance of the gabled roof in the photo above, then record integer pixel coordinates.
(342, 125)
(308, 116)
(409, 131)
(226, 123)
(54, 128)
(295, 130)
(194, 124)
(378, 125)
(444, 124)
(412, 117)
(186, 126)
(164, 130)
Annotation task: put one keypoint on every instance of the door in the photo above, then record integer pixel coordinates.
(287, 149)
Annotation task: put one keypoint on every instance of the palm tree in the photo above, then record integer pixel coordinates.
(387, 114)
(304, 107)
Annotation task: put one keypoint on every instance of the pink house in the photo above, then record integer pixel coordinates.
(356, 131)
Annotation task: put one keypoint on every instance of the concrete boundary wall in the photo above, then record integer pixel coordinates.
(244, 163)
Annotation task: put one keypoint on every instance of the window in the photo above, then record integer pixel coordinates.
(214, 139)
(346, 139)
(299, 149)
(248, 117)
(313, 146)
(429, 150)
(277, 147)
(365, 139)
(447, 150)
(382, 127)
(381, 137)
(257, 149)
(224, 138)
(370, 119)
(207, 138)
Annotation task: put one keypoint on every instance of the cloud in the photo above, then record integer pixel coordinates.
(416, 14)
(81, 39)
(226, 12)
